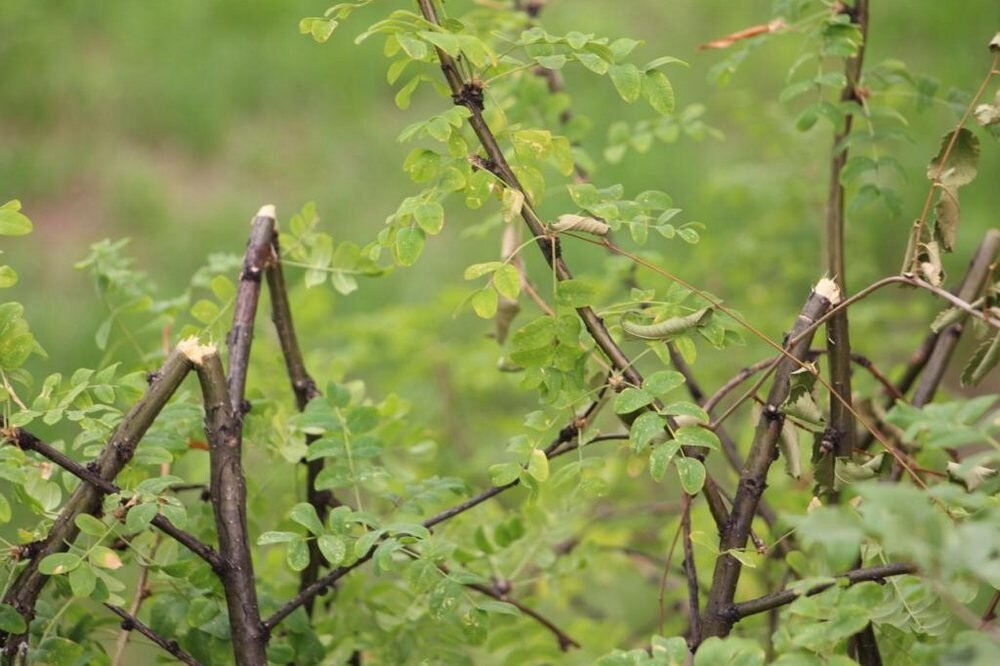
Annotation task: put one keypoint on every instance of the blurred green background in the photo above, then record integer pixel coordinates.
(172, 122)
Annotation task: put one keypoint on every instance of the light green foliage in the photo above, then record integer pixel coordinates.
(583, 536)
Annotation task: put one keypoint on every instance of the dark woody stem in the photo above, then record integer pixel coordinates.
(228, 486)
(304, 388)
(131, 623)
(753, 479)
(28, 442)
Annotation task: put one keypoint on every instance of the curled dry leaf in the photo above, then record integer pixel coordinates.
(989, 114)
(588, 225)
(730, 39)
(970, 478)
(930, 265)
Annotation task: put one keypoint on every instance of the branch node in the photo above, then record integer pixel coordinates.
(551, 248)
(470, 95)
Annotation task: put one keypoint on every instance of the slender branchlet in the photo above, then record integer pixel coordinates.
(28, 442)
(87, 498)
(131, 623)
(304, 388)
(842, 430)
(784, 597)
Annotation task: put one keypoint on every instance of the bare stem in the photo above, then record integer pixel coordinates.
(305, 390)
(783, 598)
(842, 431)
(130, 622)
(28, 442)
(223, 429)
(753, 479)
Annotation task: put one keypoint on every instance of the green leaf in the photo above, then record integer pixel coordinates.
(731, 651)
(628, 81)
(206, 311)
(12, 221)
(691, 473)
(484, 302)
(409, 245)
(697, 436)
(58, 563)
(659, 92)
(662, 382)
(268, 538)
(11, 621)
(504, 473)
(305, 515)
(430, 216)
(82, 581)
(140, 515)
(688, 409)
(646, 427)
(631, 399)
(660, 457)
(8, 277)
(538, 465)
(90, 526)
(478, 270)
(575, 293)
(297, 555)
(334, 548)
(319, 28)
(445, 41)
(507, 281)
(105, 558)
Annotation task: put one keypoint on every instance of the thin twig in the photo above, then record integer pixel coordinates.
(28, 442)
(762, 604)
(842, 431)
(694, 636)
(304, 388)
(130, 622)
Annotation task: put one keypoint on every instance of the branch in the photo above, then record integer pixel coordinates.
(565, 641)
(117, 452)
(777, 599)
(549, 246)
(691, 572)
(305, 390)
(762, 453)
(130, 622)
(223, 429)
(259, 256)
(842, 431)
(28, 442)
